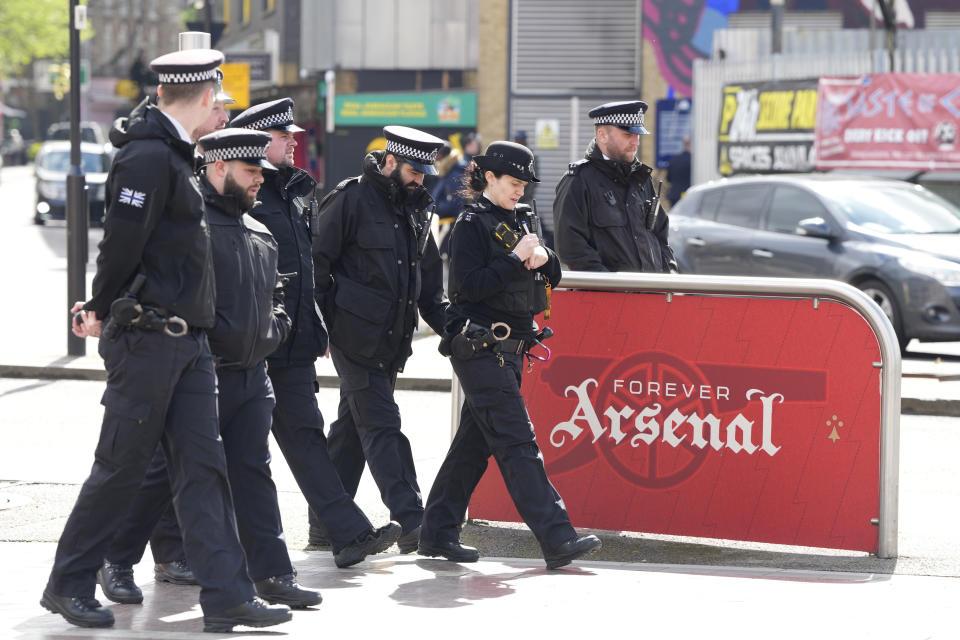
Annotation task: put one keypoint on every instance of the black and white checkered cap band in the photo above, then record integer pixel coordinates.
(272, 120)
(184, 78)
(621, 119)
(235, 153)
(404, 151)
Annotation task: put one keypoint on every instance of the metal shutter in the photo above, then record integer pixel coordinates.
(568, 46)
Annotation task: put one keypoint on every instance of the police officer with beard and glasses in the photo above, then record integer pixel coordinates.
(285, 207)
(376, 264)
(166, 543)
(155, 290)
(606, 214)
(499, 270)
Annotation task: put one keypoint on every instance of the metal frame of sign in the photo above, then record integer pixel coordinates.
(815, 290)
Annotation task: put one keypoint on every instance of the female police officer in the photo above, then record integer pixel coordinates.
(498, 270)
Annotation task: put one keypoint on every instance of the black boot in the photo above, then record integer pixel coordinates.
(571, 550)
(453, 551)
(285, 590)
(374, 541)
(254, 613)
(408, 542)
(317, 537)
(117, 583)
(176, 572)
(83, 612)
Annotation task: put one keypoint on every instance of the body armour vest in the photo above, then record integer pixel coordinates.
(524, 294)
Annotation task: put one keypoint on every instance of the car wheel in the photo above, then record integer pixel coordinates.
(881, 294)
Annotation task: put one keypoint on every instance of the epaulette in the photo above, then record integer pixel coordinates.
(344, 184)
(573, 167)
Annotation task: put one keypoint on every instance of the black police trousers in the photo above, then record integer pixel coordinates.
(142, 524)
(494, 421)
(298, 429)
(367, 430)
(162, 390)
(246, 402)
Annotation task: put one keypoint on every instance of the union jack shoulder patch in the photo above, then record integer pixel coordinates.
(132, 198)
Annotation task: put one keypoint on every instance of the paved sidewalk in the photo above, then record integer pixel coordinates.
(412, 597)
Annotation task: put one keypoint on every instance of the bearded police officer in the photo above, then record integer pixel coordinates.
(155, 288)
(285, 207)
(607, 215)
(376, 264)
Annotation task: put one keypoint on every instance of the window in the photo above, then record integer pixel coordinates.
(789, 206)
(709, 203)
(742, 205)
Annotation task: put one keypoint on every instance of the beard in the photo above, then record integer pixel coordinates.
(232, 188)
(406, 189)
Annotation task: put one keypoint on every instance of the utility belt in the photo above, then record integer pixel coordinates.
(475, 338)
(127, 313)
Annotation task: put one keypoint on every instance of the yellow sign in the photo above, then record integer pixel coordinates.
(548, 132)
(127, 89)
(236, 82)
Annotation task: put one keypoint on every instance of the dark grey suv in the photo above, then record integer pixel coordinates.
(897, 241)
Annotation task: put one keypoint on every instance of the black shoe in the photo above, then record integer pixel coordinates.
(409, 541)
(83, 612)
(254, 613)
(176, 572)
(453, 551)
(285, 590)
(317, 537)
(374, 541)
(571, 550)
(117, 583)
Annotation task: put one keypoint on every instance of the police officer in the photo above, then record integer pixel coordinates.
(250, 323)
(498, 273)
(155, 288)
(375, 264)
(606, 212)
(166, 543)
(285, 207)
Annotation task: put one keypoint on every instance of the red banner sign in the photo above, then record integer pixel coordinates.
(889, 121)
(707, 416)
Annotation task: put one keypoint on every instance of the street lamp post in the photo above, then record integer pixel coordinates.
(77, 206)
(776, 25)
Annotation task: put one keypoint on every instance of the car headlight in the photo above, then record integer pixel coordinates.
(946, 272)
(53, 190)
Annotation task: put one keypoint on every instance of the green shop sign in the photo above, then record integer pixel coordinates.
(434, 109)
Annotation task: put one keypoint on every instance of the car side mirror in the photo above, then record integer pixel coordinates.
(815, 228)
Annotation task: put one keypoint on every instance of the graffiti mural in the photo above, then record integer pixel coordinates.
(681, 31)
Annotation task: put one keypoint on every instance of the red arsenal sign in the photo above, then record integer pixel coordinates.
(710, 416)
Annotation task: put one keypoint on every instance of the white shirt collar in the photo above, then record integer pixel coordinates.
(184, 134)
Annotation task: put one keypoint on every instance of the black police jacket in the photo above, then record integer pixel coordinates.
(370, 278)
(154, 222)
(600, 217)
(286, 203)
(487, 283)
(251, 321)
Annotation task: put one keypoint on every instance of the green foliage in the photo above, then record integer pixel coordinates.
(31, 30)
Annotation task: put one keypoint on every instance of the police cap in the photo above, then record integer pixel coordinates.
(185, 67)
(511, 158)
(236, 144)
(416, 147)
(276, 114)
(627, 115)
